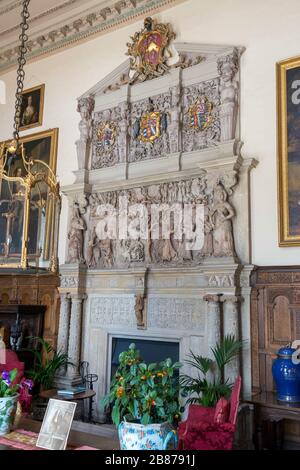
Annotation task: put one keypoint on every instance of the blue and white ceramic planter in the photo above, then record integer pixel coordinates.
(135, 436)
(8, 406)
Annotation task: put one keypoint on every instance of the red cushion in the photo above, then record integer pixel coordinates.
(12, 362)
(200, 413)
(222, 411)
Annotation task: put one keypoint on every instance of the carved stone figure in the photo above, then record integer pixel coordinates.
(228, 67)
(85, 108)
(106, 252)
(92, 245)
(222, 214)
(139, 309)
(76, 236)
(208, 247)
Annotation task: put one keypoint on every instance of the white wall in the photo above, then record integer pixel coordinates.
(270, 32)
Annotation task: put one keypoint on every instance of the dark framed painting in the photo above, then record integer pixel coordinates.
(288, 109)
(32, 107)
(41, 146)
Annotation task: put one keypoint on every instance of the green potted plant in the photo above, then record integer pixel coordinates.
(145, 402)
(208, 384)
(47, 362)
(8, 399)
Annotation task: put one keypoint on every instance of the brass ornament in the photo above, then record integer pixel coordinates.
(149, 50)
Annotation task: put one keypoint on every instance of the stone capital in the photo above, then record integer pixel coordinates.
(234, 299)
(212, 298)
(78, 298)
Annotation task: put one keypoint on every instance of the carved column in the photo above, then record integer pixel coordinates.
(213, 321)
(64, 322)
(74, 349)
(231, 327)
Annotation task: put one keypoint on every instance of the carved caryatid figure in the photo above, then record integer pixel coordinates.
(139, 309)
(76, 236)
(221, 215)
(228, 67)
(85, 108)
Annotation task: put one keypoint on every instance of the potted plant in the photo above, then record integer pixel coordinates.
(8, 399)
(145, 402)
(208, 385)
(46, 364)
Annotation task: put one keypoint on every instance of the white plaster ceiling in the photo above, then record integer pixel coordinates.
(54, 24)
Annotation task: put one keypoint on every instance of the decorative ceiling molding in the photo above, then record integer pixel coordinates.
(80, 24)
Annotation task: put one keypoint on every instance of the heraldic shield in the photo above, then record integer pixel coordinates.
(150, 127)
(201, 114)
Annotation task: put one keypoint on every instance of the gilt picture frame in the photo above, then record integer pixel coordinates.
(288, 122)
(32, 107)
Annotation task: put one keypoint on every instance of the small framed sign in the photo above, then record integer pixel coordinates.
(56, 425)
(288, 110)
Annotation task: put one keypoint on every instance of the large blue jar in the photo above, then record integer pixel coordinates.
(286, 375)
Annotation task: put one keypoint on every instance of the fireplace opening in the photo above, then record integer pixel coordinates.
(150, 350)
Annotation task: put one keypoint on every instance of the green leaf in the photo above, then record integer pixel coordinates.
(115, 415)
(146, 418)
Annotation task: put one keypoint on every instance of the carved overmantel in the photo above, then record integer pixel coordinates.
(169, 140)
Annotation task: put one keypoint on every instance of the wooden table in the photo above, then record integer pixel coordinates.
(76, 438)
(87, 395)
(268, 409)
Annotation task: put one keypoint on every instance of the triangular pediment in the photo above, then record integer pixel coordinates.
(184, 55)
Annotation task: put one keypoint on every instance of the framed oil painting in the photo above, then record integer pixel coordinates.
(40, 146)
(32, 107)
(288, 104)
(56, 425)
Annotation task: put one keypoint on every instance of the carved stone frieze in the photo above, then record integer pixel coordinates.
(176, 313)
(112, 310)
(105, 249)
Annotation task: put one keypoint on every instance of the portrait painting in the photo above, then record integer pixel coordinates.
(56, 425)
(41, 146)
(288, 90)
(32, 107)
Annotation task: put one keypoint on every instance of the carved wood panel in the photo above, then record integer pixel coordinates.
(275, 321)
(27, 289)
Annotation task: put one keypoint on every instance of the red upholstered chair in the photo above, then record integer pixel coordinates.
(12, 362)
(201, 432)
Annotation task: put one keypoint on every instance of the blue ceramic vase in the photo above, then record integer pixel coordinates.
(286, 374)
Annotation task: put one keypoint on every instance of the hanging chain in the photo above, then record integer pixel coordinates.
(20, 72)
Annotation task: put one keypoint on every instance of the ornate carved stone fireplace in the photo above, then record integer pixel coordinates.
(173, 139)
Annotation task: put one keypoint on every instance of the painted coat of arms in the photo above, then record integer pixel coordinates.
(200, 114)
(149, 50)
(150, 127)
(106, 135)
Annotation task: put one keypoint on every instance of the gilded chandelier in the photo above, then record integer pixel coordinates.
(29, 193)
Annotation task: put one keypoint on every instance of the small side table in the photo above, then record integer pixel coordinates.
(87, 395)
(268, 408)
